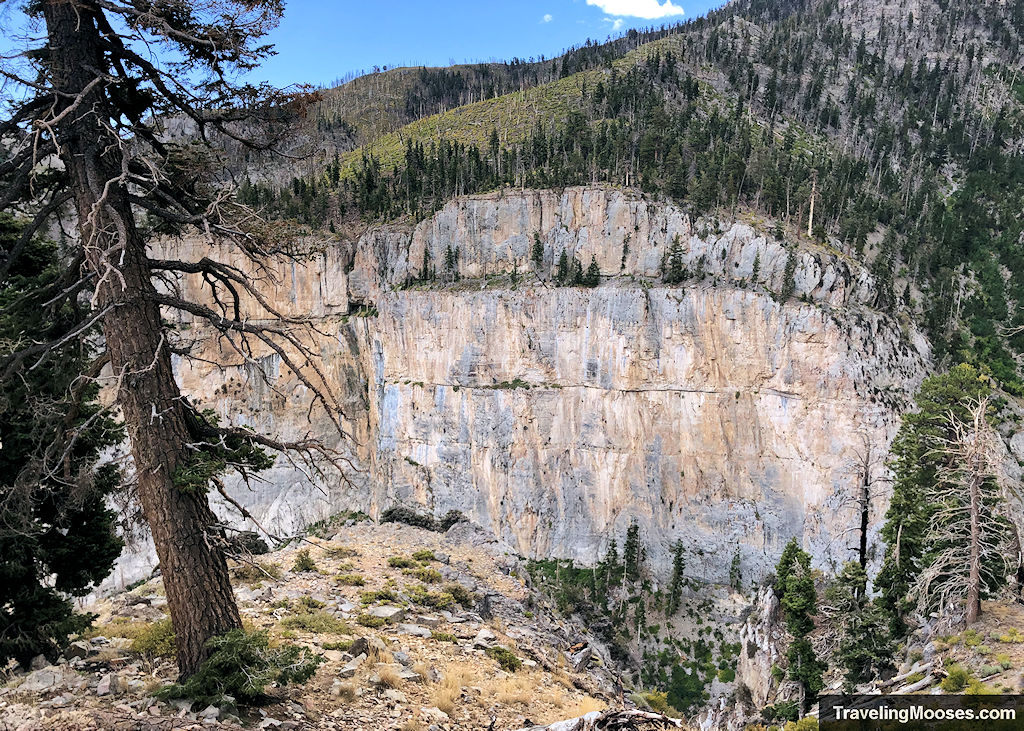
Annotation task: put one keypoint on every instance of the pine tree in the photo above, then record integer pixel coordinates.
(91, 96)
(576, 273)
(795, 584)
(631, 553)
(537, 254)
(917, 530)
(675, 587)
(865, 647)
(562, 274)
(673, 269)
(57, 537)
(592, 277)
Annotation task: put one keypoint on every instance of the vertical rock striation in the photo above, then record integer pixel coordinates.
(708, 412)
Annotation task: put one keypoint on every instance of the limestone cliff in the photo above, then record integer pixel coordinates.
(707, 412)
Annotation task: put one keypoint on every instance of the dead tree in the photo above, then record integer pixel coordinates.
(968, 537)
(85, 138)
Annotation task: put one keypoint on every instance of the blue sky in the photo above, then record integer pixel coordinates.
(319, 41)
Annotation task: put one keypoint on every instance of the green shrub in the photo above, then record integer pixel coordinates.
(316, 621)
(451, 518)
(1012, 636)
(155, 640)
(241, 665)
(350, 579)
(368, 620)
(426, 575)
(408, 516)
(303, 562)
(308, 602)
(807, 723)
(257, 571)
(976, 687)
(460, 594)
(956, 680)
(401, 562)
(419, 594)
(985, 670)
(424, 555)
(727, 675)
(377, 595)
(505, 658)
(341, 552)
(913, 678)
(444, 637)
(781, 711)
(340, 645)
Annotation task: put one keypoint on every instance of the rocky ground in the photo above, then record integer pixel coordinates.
(403, 616)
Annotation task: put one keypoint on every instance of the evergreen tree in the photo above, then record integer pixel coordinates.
(673, 269)
(576, 273)
(57, 537)
(675, 587)
(918, 458)
(563, 273)
(537, 254)
(865, 645)
(793, 578)
(450, 261)
(631, 553)
(592, 277)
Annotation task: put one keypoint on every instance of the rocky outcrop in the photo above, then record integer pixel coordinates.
(707, 412)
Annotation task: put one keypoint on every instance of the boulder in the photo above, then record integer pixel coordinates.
(415, 630)
(109, 684)
(349, 669)
(433, 715)
(78, 649)
(388, 613)
(49, 678)
(484, 639)
(579, 660)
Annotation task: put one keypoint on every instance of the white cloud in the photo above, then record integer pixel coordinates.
(648, 9)
(616, 24)
(547, 18)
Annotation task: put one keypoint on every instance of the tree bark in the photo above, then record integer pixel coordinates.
(195, 573)
(974, 577)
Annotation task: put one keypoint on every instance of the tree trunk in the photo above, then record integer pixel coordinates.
(195, 573)
(974, 577)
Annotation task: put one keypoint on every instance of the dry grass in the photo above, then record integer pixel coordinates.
(423, 670)
(412, 725)
(448, 690)
(339, 551)
(388, 677)
(346, 692)
(581, 707)
(446, 699)
(532, 690)
(512, 690)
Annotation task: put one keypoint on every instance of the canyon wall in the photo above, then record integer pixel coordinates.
(708, 412)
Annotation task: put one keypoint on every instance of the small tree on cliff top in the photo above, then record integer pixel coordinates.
(96, 92)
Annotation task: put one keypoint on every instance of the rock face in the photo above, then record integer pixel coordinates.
(555, 416)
